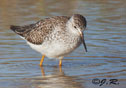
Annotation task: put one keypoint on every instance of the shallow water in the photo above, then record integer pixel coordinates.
(105, 38)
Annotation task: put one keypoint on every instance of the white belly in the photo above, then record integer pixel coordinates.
(53, 50)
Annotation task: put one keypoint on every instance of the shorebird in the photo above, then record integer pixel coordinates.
(54, 37)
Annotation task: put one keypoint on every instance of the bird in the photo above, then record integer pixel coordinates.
(54, 37)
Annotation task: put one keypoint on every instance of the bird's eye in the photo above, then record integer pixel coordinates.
(75, 27)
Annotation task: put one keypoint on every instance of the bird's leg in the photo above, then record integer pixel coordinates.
(42, 59)
(60, 61)
(60, 68)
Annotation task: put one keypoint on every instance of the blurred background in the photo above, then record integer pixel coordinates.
(105, 38)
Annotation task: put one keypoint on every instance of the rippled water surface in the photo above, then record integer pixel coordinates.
(105, 37)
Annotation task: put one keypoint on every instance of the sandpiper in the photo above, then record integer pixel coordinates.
(54, 37)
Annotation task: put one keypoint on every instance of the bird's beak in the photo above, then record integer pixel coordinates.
(82, 38)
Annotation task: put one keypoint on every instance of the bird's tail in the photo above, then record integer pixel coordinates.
(15, 28)
(18, 29)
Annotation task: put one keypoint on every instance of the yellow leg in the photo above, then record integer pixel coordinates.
(42, 59)
(60, 62)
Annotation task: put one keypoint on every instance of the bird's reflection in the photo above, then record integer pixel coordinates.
(57, 79)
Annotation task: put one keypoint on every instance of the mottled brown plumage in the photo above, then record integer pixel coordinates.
(36, 33)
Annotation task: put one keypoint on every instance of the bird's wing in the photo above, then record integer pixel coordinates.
(36, 33)
(44, 28)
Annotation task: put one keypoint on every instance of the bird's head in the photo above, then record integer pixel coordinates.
(77, 24)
